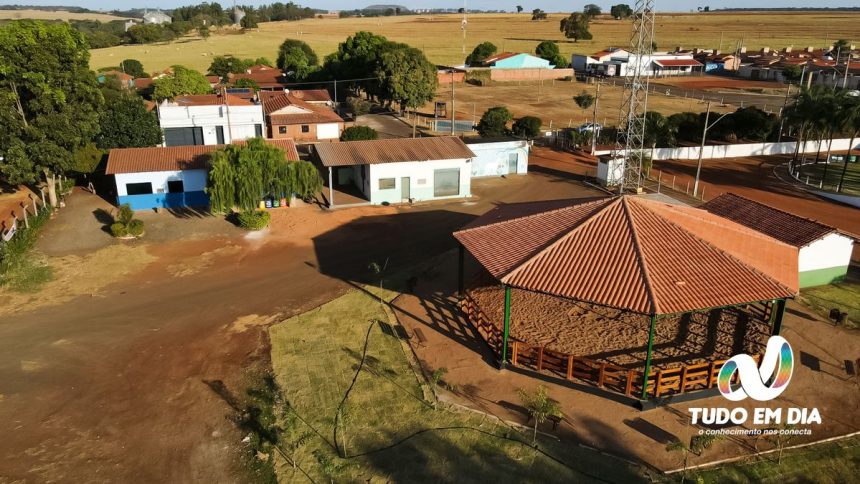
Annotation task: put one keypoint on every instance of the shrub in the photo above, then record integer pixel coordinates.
(118, 229)
(358, 133)
(527, 127)
(125, 215)
(135, 228)
(357, 106)
(494, 122)
(254, 219)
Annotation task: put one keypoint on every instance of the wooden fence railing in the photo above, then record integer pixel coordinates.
(661, 382)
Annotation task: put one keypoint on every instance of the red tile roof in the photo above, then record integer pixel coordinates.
(310, 113)
(631, 253)
(372, 152)
(677, 63)
(122, 76)
(787, 227)
(311, 95)
(211, 100)
(175, 158)
(499, 56)
(143, 82)
(264, 79)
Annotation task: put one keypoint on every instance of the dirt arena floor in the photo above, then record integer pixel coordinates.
(715, 82)
(621, 337)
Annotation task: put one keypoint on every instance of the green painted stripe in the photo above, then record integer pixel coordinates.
(822, 277)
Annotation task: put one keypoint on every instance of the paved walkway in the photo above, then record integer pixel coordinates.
(610, 422)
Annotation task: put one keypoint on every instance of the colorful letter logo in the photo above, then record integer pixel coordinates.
(777, 364)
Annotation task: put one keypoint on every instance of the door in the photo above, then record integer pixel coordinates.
(405, 188)
(512, 162)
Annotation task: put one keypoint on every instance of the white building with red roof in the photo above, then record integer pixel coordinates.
(210, 119)
(621, 63)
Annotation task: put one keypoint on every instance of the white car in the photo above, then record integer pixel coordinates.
(589, 127)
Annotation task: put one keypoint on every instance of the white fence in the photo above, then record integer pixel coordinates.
(745, 149)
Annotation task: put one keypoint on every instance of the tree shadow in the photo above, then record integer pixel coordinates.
(105, 218)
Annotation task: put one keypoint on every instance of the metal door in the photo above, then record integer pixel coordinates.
(405, 188)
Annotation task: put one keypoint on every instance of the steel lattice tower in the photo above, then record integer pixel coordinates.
(631, 122)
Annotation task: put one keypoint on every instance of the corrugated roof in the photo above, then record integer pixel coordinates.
(210, 100)
(175, 158)
(500, 56)
(308, 113)
(787, 227)
(371, 152)
(631, 253)
(677, 63)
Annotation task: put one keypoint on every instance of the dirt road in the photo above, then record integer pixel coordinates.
(111, 386)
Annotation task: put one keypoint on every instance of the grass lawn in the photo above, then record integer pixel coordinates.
(845, 295)
(352, 392)
(834, 173)
(831, 463)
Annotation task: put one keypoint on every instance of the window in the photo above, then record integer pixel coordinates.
(306, 128)
(175, 186)
(258, 130)
(446, 182)
(138, 188)
(183, 136)
(386, 183)
(219, 135)
(282, 129)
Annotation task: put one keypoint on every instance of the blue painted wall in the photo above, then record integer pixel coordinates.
(165, 200)
(522, 61)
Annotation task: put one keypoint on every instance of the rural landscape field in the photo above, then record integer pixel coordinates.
(271, 243)
(440, 36)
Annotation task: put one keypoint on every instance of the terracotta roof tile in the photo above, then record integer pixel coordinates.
(787, 227)
(211, 100)
(308, 113)
(677, 62)
(631, 253)
(371, 152)
(311, 95)
(175, 158)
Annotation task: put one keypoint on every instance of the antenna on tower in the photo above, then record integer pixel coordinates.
(630, 140)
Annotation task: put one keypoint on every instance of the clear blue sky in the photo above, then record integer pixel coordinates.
(548, 5)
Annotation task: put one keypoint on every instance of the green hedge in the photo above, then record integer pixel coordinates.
(254, 219)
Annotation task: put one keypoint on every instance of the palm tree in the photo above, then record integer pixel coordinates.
(850, 116)
(835, 105)
(540, 406)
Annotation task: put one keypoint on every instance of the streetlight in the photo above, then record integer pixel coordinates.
(702, 149)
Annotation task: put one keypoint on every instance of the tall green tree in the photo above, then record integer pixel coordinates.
(621, 11)
(183, 81)
(357, 57)
(592, 10)
(494, 122)
(49, 100)
(297, 59)
(133, 67)
(576, 27)
(658, 130)
(126, 123)
(224, 65)
(480, 52)
(407, 78)
(850, 122)
(549, 50)
(527, 127)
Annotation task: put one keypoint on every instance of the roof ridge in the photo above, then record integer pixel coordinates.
(777, 209)
(641, 257)
(586, 221)
(531, 215)
(722, 251)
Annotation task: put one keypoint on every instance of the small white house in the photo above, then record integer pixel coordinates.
(497, 157)
(397, 170)
(824, 251)
(210, 119)
(621, 63)
(156, 17)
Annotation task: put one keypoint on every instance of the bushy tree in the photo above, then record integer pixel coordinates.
(519, 8)
(584, 100)
(133, 67)
(591, 10)
(548, 50)
(480, 52)
(224, 65)
(297, 59)
(407, 78)
(687, 126)
(183, 81)
(621, 11)
(658, 130)
(494, 122)
(576, 27)
(49, 100)
(538, 14)
(147, 34)
(359, 133)
(527, 127)
(247, 83)
(126, 123)
(357, 57)
(753, 123)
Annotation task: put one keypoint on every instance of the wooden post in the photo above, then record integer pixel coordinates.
(630, 376)
(601, 376)
(780, 312)
(26, 219)
(648, 357)
(35, 207)
(507, 328)
(330, 189)
(711, 369)
(460, 274)
(540, 359)
(569, 367)
(683, 381)
(515, 347)
(657, 383)
(42, 191)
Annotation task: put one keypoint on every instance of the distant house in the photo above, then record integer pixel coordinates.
(125, 80)
(210, 119)
(266, 78)
(621, 63)
(289, 116)
(398, 170)
(825, 252)
(580, 62)
(171, 177)
(156, 17)
(498, 156)
(513, 60)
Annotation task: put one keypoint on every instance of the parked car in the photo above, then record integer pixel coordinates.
(589, 127)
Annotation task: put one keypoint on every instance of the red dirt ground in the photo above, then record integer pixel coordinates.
(621, 338)
(714, 82)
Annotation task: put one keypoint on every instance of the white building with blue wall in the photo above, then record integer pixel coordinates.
(499, 156)
(514, 60)
(393, 171)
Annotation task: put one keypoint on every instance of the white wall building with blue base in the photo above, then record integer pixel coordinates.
(162, 189)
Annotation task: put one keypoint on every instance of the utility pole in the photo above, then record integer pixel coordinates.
(702, 147)
(594, 131)
(453, 107)
(782, 113)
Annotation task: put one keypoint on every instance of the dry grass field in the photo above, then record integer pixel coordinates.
(54, 15)
(440, 35)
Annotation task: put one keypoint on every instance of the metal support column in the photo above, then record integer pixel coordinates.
(460, 274)
(777, 320)
(507, 328)
(330, 189)
(648, 357)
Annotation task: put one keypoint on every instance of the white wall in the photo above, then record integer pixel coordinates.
(421, 179)
(491, 159)
(328, 131)
(192, 180)
(243, 120)
(834, 250)
(744, 149)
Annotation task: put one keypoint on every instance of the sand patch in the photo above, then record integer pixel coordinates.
(193, 265)
(244, 323)
(32, 365)
(79, 275)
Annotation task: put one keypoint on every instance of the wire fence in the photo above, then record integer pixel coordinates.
(20, 215)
